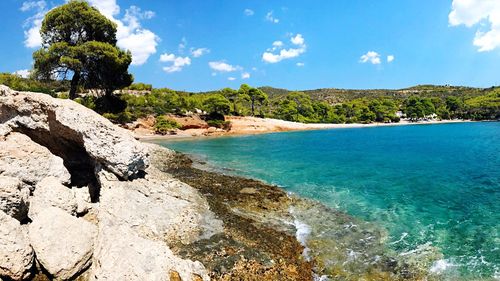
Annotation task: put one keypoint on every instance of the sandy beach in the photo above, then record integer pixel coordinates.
(254, 125)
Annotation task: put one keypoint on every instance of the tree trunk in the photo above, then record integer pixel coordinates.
(74, 85)
(235, 109)
(253, 107)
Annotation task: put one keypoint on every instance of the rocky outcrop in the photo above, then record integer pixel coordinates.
(121, 254)
(13, 197)
(73, 132)
(142, 205)
(16, 254)
(90, 199)
(63, 243)
(51, 193)
(28, 161)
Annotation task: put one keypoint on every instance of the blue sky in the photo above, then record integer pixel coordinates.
(205, 45)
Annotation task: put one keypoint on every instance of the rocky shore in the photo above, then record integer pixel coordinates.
(82, 199)
(79, 198)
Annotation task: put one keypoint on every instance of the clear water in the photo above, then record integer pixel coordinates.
(437, 184)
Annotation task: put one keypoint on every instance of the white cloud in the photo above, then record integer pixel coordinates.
(271, 18)
(486, 14)
(298, 40)
(248, 12)
(278, 44)
(109, 8)
(24, 73)
(29, 5)
(371, 57)
(177, 62)
(222, 66)
(199, 52)
(245, 75)
(167, 57)
(231, 78)
(270, 57)
(300, 64)
(130, 34)
(390, 58)
(32, 38)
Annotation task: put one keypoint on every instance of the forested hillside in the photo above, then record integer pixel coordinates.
(310, 106)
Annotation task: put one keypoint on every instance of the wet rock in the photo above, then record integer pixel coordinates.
(13, 198)
(26, 160)
(51, 193)
(16, 254)
(63, 244)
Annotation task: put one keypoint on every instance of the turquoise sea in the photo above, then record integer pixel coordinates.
(425, 184)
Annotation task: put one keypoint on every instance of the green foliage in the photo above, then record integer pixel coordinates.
(79, 42)
(217, 104)
(417, 108)
(257, 97)
(485, 107)
(87, 101)
(140, 87)
(226, 125)
(120, 118)
(164, 125)
(301, 107)
(18, 83)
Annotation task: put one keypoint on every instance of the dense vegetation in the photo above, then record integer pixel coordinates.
(422, 102)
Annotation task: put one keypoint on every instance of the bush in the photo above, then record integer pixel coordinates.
(140, 87)
(164, 125)
(221, 124)
(120, 118)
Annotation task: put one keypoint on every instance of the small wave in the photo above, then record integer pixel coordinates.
(302, 233)
(403, 236)
(440, 266)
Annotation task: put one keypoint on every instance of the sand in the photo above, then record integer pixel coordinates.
(254, 125)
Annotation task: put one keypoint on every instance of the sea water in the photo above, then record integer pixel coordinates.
(433, 185)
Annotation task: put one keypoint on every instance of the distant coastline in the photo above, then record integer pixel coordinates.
(253, 125)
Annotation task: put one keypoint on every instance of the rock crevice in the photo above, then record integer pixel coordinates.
(91, 200)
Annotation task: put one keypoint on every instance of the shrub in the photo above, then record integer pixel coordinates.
(164, 125)
(221, 124)
(120, 118)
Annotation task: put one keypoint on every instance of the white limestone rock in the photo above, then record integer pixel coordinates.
(13, 197)
(26, 160)
(16, 254)
(65, 122)
(121, 254)
(63, 243)
(49, 192)
(82, 199)
(153, 208)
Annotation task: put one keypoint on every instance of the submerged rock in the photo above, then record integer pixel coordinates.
(63, 243)
(16, 254)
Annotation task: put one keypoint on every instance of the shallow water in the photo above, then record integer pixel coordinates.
(426, 185)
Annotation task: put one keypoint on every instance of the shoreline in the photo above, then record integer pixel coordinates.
(309, 235)
(247, 126)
